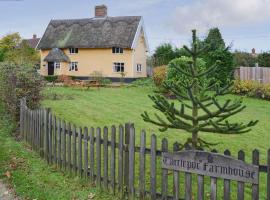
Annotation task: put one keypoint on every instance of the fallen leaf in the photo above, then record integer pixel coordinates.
(8, 174)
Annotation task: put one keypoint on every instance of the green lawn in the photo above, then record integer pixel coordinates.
(107, 106)
(31, 177)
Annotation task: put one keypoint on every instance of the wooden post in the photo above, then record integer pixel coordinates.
(105, 158)
(80, 152)
(59, 143)
(86, 152)
(126, 157)
(74, 149)
(46, 133)
(131, 163)
(164, 180)
(255, 187)
(120, 160)
(268, 175)
(98, 156)
(112, 172)
(69, 147)
(142, 165)
(55, 140)
(241, 185)
(92, 155)
(153, 166)
(176, 177)
(64, 137)
(227, 186)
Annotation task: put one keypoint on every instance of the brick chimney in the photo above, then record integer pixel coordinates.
(101, 11)
(253, 51)
(34, 36)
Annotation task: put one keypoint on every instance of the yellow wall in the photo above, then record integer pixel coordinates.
(90, 60)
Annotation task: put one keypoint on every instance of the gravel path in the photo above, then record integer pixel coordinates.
(6, 193)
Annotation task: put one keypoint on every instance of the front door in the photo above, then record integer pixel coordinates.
(50, 68)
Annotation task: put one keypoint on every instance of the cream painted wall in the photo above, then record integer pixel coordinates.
(90, 60)
(139, 57)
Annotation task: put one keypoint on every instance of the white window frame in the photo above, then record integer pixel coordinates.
(117, 50)
(73, 66)
(119, 65)
(57, 65)
(73, 50)
(139, 68)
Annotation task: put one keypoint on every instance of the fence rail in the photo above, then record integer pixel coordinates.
(110, 159)
(259, 74)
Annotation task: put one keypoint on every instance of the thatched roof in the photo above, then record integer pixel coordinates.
(91, 33)
(56, 55)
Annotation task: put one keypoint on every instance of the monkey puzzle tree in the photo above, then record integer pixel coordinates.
(200, 110)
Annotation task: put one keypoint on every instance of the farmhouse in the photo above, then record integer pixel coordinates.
(111, 45)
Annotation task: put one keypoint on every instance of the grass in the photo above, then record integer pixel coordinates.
(109, 106)
(31, 177)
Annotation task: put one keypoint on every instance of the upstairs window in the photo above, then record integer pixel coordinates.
(118, 67)
(139, 68)
(73, 66)
(117, 50)
(73, 50)
(57, 65)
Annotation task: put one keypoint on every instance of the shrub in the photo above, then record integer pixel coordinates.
(159, 75)
(66, 80)
(252, 89)
(106, 81)
(143, 82)
(17, 82)
(50, 78)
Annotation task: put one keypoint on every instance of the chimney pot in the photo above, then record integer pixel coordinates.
(253, 51)
(101, 11)
(34, 36)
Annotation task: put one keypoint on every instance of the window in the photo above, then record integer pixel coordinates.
(117, 50)
(57, 65)
(139, 68)
(118, 67)
(73, 66)
(73, 50)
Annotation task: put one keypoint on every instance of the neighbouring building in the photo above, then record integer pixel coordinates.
(110, 45)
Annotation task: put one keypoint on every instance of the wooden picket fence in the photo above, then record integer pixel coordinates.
(111, 163)
(259, 74)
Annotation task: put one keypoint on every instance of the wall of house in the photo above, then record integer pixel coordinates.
(90, 60)
(139, 57)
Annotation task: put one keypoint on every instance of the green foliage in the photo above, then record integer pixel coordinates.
(14, 50)
(252, 89)
(17, 82)
(51, 78)
(264, 59)
(106, 81)
(143, 82)
(216, 50)
(199, 109)
(183, 62)
(214, 40)
(244, 59)
(163, 54)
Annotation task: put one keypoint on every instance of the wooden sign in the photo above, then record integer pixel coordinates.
(211, 164)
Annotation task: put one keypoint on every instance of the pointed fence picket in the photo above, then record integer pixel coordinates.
(108, 158)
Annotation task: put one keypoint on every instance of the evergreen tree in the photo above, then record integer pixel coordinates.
(214, 40)
(207, 114)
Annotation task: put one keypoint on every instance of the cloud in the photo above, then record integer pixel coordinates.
(204, 14)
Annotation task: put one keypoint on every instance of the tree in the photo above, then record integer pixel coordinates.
(207, 114)
(264, 59)
(244, 59)
(163, 54)
(216, 50)
(214, 40)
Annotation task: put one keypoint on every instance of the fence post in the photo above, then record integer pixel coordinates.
(46, 133)
(126, 157)
(22, 105)
(268, 175)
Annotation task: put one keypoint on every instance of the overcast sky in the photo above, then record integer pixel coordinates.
(244, 23)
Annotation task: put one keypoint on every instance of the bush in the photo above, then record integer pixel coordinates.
(143, 82)
(183, 62)
(17, 82)
(252, 89)
(159, 75)
(50, 78)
